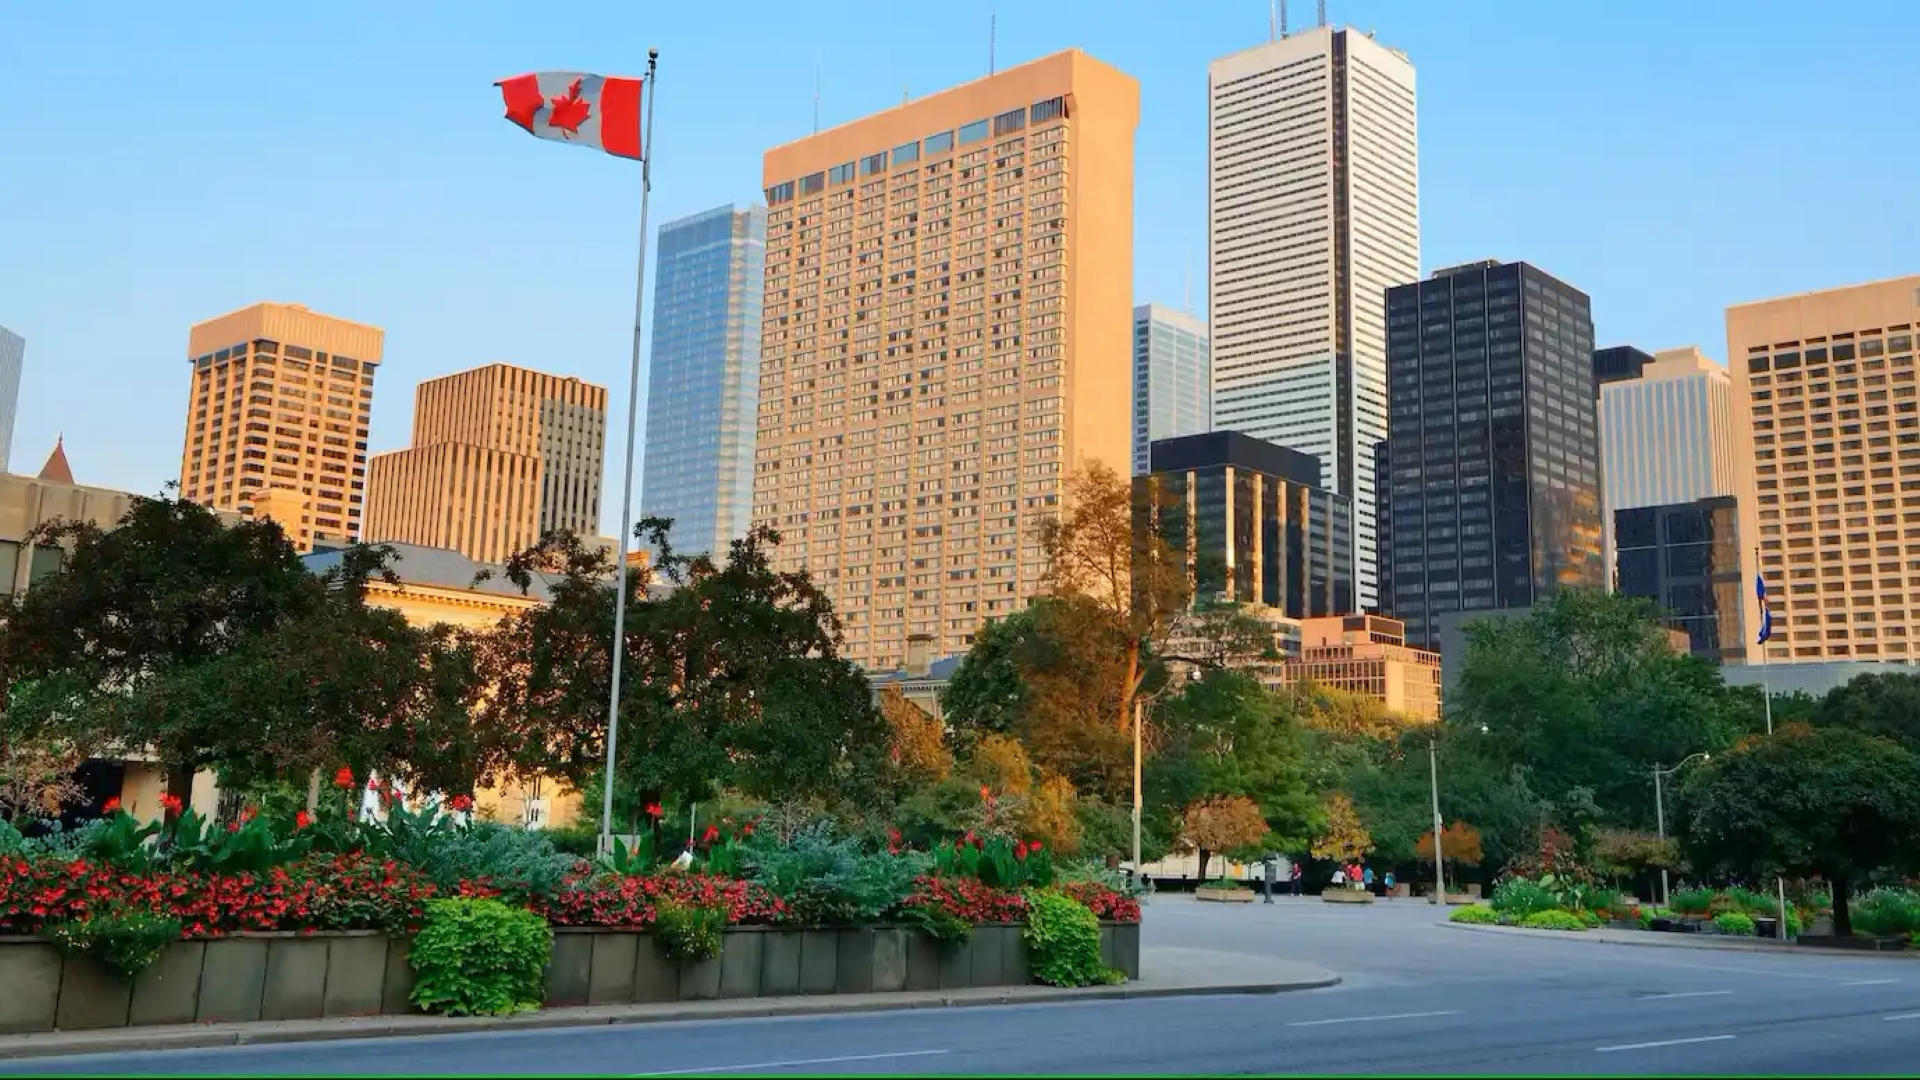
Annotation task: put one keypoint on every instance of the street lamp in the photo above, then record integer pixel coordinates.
(1660, 809)
(1439, 860)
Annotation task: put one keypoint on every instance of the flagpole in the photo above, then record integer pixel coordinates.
(626, 494)
(1766, 697)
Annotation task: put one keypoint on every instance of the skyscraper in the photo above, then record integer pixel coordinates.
(948, 291)
(1313, 211)
(703, 380)
(1494, 448)
(13, 354)
(501, 456)
(1826, 382)
(1667, 435)
(1172, 379)
(277, 414)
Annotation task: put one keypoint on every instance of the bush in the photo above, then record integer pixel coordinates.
(1063, 940)
(1522, 897)
(123, 940)
(607, 900)
(1590, 917)
(689, 932)
(1737, 923)
(1108, 904)
(480, 958)
(1553, 920)
(826, 879)
(1475, 915)
(1887, 912)
(943, 926)
(1693, 901)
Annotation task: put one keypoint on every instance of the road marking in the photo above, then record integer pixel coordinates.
(1902, 1016)
(1370, 1019)
(790, 1064)
(1870, 982)
(1662, 1042)
(1687, 994)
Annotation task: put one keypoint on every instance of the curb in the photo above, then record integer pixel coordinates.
(1707, 944)
(134, 1040)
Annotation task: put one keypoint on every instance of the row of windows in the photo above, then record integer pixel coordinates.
(940, 142)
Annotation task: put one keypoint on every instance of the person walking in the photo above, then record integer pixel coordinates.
(1297, 875)
(1340, 878)
(1366, 878)
(1387, 883)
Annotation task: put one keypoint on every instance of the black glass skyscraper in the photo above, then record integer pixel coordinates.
(1493, 443)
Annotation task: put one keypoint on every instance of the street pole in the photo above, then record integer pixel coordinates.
(1439, 863)
(1766, 697)
(1660, 822)
(626, 494)
(1138, 874)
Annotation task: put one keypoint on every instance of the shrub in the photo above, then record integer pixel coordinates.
(1590, 917)
(1553, 920)
(1063, 941)
(1737, 923)
(997, 860)
(608, 900)
(1692, 901)
(479, 957)
(1474, 915)
(1887, 912)
(689, 932)
(1108, 904)
(943, 926)
(1521, 897)
(122, 940)
(972, 901)
(1604, 900)
(828, 879)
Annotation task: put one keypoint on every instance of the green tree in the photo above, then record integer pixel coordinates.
(731, 678)
(1233, 825)
(985, 695)
(1224, 735)
(1884, 705)
(1587, 694)
(1805, 801)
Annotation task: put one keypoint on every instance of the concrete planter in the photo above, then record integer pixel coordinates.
(310, 976)
(1224, 896)
(1346, 896)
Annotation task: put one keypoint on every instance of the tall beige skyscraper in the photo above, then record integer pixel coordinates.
(1826, 381)
(945, 336)
(277, 414)
(501, 455)
(1313, 212)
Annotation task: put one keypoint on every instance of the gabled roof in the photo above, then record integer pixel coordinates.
(56, 469)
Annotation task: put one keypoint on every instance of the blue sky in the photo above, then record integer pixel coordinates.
(166, 163)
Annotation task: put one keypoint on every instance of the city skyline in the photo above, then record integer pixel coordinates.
(451, 290)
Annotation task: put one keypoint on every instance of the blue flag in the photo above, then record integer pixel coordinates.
(1766, 613)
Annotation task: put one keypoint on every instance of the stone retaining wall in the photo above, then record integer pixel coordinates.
(310, 976)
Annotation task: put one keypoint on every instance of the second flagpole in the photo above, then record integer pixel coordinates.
(619, 643)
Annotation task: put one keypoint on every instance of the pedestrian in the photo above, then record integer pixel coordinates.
(1297, 875)
(1366, 876)
(1388, 883)
(1340, 878)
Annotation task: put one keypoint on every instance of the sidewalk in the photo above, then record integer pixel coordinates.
(1649, 939)
(1172, 972)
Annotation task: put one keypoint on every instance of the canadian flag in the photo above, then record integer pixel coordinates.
(597, 111)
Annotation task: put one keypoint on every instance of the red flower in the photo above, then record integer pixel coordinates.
(302, 819)
(1020, 852)
(373, 784)
(462, 803)
(111, 806)
(747, 829)
(710, 835)
(343, 778)
(171, 803)
(1034, 847)
(986, 792)
(653, 810)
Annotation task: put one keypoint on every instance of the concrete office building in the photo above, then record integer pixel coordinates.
(1495, 452)
(501, 456)
(703, 376)
(1172, 379)
(13, 355)
(1313, 211)
(948, 299)
(1826, 383)
(277, 412)
(1254, 522)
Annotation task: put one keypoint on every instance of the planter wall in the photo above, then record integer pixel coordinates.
(1346, 896)
(306, 977)
(1224, 896)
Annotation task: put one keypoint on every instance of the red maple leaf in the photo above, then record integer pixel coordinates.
(569, 110)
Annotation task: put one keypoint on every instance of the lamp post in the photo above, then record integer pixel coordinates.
(1439, 859)
(1660, 810)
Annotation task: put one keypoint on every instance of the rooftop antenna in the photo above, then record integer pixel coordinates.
(1322, 5)
(1273, 31)
(1283, 18)
(817, 57)
(905, 96)
(993, 33)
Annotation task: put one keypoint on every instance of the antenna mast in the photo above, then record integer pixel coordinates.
(1322, 5)
(993, 33)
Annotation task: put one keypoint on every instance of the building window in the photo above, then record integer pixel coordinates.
(9, 566)
(1050, 109)
(940, 143)
(46, 562)
(1009, 122)
(906, 154)
(813, 185)
(780, 193)
(872, 163)
(973, 133)
(840, 174)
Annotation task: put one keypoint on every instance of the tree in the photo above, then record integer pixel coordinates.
(917, 745)
(36, 781)
(1232, 824)
(985, 695)
(1223, 735)
(1459, 844)
(1828, 801)
(1587, 694)
(1344, 838)
(731, 678)
(1884, 705)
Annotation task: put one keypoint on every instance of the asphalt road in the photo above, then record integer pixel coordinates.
(1418, 998)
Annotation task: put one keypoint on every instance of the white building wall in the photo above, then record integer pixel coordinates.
(13, 351)
(1287, 286)
(1172, 379)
